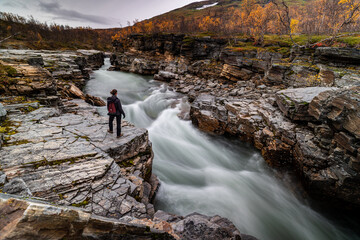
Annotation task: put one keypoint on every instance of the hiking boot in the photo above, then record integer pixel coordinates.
(120, 136)
(110, 131)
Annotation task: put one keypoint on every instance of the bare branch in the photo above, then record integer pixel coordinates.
(3, 40)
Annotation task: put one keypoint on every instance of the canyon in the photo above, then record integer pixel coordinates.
(301, 109)
(58, 162)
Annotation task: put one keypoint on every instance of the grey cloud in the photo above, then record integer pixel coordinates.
(15, 4)
(58, 11)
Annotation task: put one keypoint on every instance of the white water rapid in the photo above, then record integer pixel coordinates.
(211, 175)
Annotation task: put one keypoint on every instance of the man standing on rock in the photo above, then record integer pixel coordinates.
(115, 110)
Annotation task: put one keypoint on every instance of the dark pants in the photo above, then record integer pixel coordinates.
(118, 124)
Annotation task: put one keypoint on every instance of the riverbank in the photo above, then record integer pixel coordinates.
(301, 110)
(216, 175)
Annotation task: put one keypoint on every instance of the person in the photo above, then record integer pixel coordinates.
(115, 111)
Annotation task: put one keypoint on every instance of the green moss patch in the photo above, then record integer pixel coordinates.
(45, 162)
(8, 71)
(81, 204)
(9, 127)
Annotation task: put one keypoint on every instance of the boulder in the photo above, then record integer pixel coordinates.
(92, 58)
(340, 107)
(207, 115)
(275, 75)
(348, 80)
(197, 226)
(144, 66)
(165, 76)
(234, 73)
(74, 92)
(294, 103)
(95, 101)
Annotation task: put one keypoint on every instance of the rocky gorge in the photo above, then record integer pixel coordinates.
(300, 108)
(62, 175)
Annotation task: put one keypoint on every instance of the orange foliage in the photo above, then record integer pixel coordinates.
(255, 19)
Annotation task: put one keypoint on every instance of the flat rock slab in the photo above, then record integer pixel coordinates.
(294, 103)
(29, 219)
(71, 159)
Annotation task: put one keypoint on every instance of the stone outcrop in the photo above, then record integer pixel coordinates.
(33, 219)
(44, 75)
(104, 185)
(301, 110)
(198, 226)
(338, 56)
(294, 103)
(324, 151)
(74, 92)
(70, 159)
(29, 219)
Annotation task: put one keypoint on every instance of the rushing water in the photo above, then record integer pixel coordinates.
(211, 175)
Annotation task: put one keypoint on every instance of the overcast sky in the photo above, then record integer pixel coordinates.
(93, 13)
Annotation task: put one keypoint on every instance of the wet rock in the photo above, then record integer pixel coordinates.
(2, 113)
(294, 103)
(198, 226)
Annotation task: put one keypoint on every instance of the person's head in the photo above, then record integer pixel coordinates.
(113, 92)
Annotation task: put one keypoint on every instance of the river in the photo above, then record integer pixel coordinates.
(208, 174)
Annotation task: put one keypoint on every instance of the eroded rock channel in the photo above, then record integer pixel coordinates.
(63, 176)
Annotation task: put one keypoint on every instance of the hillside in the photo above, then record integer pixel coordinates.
(299, 22)
(22, 33)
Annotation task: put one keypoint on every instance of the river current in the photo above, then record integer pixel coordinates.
(211, 175)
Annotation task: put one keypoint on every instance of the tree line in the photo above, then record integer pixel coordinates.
(255, 19)
(36, 34)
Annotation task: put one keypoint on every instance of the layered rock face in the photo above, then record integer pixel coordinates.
(34, 219)
(31, 219)
(301, 110)
(70, 159)
(44, 75)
